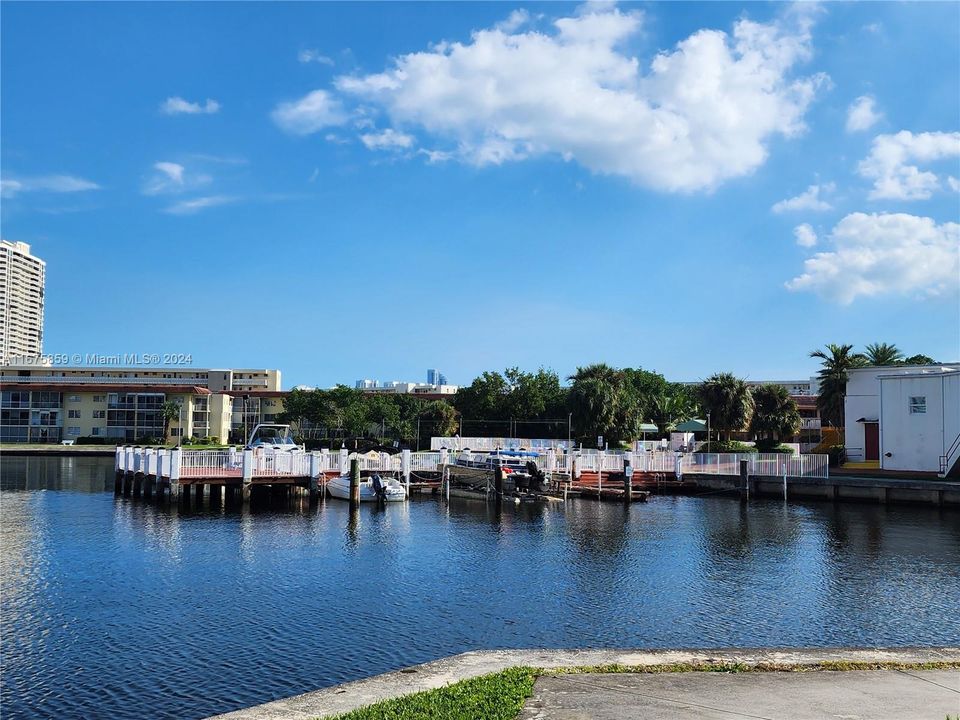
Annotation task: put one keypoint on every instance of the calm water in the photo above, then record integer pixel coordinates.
(115, 608)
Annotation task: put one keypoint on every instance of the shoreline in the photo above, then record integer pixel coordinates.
(438, 673)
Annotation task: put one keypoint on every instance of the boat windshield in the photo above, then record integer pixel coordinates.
(272, 436)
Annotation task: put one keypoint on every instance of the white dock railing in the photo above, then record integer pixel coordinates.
(230, 462)
(263, 462)
(759, 464)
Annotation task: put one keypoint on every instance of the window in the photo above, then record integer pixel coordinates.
(74, 398)
(73, 430)
(73, 414)
(99, 398)
(99, 414)
(95, 431)
(918, 405)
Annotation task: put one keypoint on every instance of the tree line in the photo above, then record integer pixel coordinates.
(838, 360)
(619, 404)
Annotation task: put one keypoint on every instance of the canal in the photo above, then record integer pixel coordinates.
(113, 607)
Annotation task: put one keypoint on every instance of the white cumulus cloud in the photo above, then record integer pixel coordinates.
(862, 114)
(886, 253)
(893, 164)
(699, 114)
(179, 106)
(315, 111)
(389, 139)
(9, 187)
(805, 235)
(809, 199)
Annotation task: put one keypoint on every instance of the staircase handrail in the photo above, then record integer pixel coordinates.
(945, 458)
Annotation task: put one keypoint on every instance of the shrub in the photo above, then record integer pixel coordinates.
(728, 446)
(90, 440)
(837, 455)
(769, 446)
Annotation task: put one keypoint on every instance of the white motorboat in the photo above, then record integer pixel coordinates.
(274, 437)
(371, 488)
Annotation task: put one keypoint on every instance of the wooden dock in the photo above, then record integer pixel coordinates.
(236, 473)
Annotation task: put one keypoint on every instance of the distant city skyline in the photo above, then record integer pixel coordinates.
(713, 187)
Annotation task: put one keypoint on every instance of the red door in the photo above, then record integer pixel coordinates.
(871, 441)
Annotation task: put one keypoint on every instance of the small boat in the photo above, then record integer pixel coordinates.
(372, 489)
(522, 478)
(274, 437)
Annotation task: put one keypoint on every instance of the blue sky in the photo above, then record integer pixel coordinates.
(368, 190)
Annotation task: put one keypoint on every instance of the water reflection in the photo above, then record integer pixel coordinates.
(99, 592)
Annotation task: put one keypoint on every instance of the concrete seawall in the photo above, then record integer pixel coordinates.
(842, 487)
(349, 696)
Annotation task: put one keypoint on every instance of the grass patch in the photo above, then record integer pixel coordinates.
(497, 696)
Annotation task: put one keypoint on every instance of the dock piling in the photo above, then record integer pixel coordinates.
(355, 482)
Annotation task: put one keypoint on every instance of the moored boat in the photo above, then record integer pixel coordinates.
(372, 489)
(477, 473)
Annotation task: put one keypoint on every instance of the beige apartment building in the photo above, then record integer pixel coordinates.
(125, 405)
(22, 278)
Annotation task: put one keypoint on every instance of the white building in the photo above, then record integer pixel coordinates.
(904, 417)
(22, 278)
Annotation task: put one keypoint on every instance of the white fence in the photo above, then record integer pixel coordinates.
(489, 444)
(264, 462)
(758, 464)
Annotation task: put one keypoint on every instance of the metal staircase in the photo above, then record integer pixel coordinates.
(950, 462)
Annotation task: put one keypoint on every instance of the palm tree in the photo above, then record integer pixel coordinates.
(171, 411)
(669, 408)
(882, 354)
(729, 402)
(775, 413)
(837, 360)
(597, 398)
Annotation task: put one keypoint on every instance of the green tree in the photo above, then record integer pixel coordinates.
(601, 402)
(775, 413)
(439, 418)
(484, 398)
(675, 404)
(836, 361)
(919, 360)
(170, 411)
(882, 354)
(728, 400)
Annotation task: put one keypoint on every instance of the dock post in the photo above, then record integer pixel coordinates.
(627, 480)
(247, 475)
(600, 474)
(744, 480)
(314, 475)
(405, 469)
(176, 456)
(784, 481)
(355, 482)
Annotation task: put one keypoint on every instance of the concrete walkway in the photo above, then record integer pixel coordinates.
(851, 695)
(350, 696)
